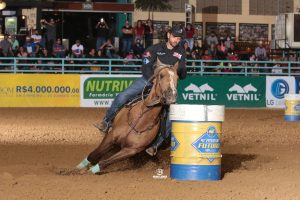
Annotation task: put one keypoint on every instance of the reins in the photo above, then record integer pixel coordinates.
(149, 106)
(158, 101)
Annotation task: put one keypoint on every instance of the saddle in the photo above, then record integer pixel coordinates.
(138, 98)
(163, 114)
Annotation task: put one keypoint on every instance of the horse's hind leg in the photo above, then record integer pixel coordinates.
(94, 157)
(122, 154)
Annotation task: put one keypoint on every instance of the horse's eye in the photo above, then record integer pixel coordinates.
(161, 76)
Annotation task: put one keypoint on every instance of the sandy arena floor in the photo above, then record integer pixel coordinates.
(40, 147)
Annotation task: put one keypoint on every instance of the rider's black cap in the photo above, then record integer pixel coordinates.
(177, 31)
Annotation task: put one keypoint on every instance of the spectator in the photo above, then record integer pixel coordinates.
(232, 49)
(92, 60)
(109, 49)
(129, 59)
(29, 45)
(51, 32)
(276, 69)
(221, 51)
(138, 48)
(102, 32)
(77, 49)
(189, 35)
(212, 51)
(228, 42)
(59, 49)
(261, 53)
(47, 59)
(139, 31)
(15, 44)
(127, 31)
(6, 46)
(148, 28)
(36, 37)
(22, 53)
(196, 50)
(37, 49)
(188, 51)
(212, 39)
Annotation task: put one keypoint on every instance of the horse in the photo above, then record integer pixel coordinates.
(137, 125)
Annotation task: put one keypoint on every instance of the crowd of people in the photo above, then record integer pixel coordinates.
(135, 39)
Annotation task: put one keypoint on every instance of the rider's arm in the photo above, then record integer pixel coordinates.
(181, 71)
(149, 58)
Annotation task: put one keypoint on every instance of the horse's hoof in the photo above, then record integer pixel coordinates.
(84, 164)
(95, 169)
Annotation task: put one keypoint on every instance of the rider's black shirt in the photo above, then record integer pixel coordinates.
(166, 56)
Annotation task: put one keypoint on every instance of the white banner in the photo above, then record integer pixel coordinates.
(101, 90)
(276, 88)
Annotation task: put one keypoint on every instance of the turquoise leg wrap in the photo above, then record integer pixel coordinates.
(95, 169)
(84, 163)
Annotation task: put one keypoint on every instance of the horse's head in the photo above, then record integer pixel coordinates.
(165, 82)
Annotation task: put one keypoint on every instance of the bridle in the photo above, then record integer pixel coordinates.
(157, 101)
(149, 106)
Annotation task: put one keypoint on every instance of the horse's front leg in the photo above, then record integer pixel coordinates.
(122, 154)
(94, 157)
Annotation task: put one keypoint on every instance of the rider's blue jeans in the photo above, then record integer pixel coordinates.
(159, 140)
(131, 92)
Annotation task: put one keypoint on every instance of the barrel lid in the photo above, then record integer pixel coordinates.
(195, 112)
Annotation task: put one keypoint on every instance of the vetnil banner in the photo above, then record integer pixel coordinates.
(231, 91)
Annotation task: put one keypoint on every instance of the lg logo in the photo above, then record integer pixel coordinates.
(279, 88)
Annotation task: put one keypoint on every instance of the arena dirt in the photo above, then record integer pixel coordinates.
(39, 148)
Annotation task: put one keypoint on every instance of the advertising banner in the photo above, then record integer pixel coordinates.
(297, 84)
(100, 90)
(276, 88)
(39, 90)
(231, 91)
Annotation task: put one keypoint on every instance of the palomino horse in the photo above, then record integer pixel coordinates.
(137, 125)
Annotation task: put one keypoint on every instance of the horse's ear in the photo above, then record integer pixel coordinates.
(176, 65)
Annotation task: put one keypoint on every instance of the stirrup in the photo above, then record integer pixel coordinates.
(152, 151)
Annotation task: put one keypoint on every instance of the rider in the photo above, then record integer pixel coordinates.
(168, 53)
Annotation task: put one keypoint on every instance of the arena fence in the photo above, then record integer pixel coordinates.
(132, 66)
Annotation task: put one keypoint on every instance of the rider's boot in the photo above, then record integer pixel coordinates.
(103, 126)
(152, 150)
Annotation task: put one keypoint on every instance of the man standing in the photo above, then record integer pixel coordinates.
(102, 33)
(168, 53)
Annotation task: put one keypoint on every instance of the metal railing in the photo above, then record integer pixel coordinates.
(133, 66)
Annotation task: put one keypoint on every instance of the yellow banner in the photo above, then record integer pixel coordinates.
(39, 90)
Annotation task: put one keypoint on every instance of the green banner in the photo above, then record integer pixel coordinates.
(231, 91)
(105, 87)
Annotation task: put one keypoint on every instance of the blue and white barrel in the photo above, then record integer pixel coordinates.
(196, 141)
(292, 107)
